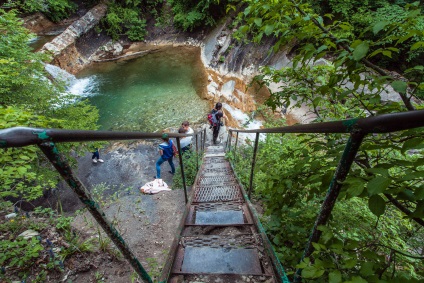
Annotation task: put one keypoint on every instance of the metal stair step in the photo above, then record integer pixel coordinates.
(220, 213)
(221, 260)
(217, 193)
(216, 180)
(219, 255)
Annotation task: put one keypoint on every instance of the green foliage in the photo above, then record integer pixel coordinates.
(190, 170)
(34, 258)
(21, 69)
(20, 253)
(56, 10)
(190, 14)
(372, 235)
(125, 19)
(25, 172)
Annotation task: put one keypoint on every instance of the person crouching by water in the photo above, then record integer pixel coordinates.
(166, 154)
(185, 143)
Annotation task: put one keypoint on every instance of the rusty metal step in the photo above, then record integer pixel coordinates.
(218, 239)
(219, 255)
(219, 214)
(217, 193)
(222, 278)
(216, 180)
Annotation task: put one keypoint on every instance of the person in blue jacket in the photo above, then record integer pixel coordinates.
(166, 154)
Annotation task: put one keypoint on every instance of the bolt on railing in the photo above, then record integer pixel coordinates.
(46, 139)
(358, 129)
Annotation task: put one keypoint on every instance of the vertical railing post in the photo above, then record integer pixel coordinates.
(253, 164)
(230, 135)
(204, 139)
(197, 153)
(51, 152)
(349, 153)
(201, 140)
(180, 155)
(235, 148)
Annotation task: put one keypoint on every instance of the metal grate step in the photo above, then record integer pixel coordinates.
(217, 180)
(217, 193)
(214, 160)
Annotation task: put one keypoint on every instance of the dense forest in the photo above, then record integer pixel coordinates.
(375, 233)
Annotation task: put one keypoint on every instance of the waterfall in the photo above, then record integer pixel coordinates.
(73, 85)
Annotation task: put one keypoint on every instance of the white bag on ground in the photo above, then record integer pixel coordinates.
(154, 187)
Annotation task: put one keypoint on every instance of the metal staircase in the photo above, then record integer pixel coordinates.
(218, 239)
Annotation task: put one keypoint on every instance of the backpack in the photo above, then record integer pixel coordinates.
(212, 118)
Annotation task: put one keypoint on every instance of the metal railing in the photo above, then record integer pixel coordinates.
(46, 140)
(358, 129)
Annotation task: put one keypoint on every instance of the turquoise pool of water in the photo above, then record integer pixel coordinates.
(149, 93)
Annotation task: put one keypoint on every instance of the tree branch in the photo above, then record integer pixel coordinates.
(367, 63)
(403, 209)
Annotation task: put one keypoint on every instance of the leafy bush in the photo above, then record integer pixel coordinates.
(56, 10)
(20, 253)
(120, 19)
(190, 170)
(25, 172)
(191, 14)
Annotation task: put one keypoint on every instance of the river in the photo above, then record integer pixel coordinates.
(149, 93)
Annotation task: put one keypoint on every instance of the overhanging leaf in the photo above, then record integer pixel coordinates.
(377, 185)
(379, 26)
(335, 277)
(399, 86)
(361, 51)
(414, 143)
(416, 45)
(268, 29)
(258, 22)
(377, 205)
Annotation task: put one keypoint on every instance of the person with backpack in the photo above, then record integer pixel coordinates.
(166, 151)
(215, 120)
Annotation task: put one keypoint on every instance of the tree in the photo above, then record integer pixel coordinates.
(386, 176)
(29, 98)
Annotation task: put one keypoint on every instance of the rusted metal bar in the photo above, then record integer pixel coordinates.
(377, 124)
(197, 152)
(204, 139)
(201, 141)
(180, 155)
(349, 153)
(59, 162)
(23, 136)
(253, 164)
(235, 147)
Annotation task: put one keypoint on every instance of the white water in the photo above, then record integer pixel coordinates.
(79, 87)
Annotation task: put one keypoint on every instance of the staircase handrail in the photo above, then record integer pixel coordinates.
(376, 124)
